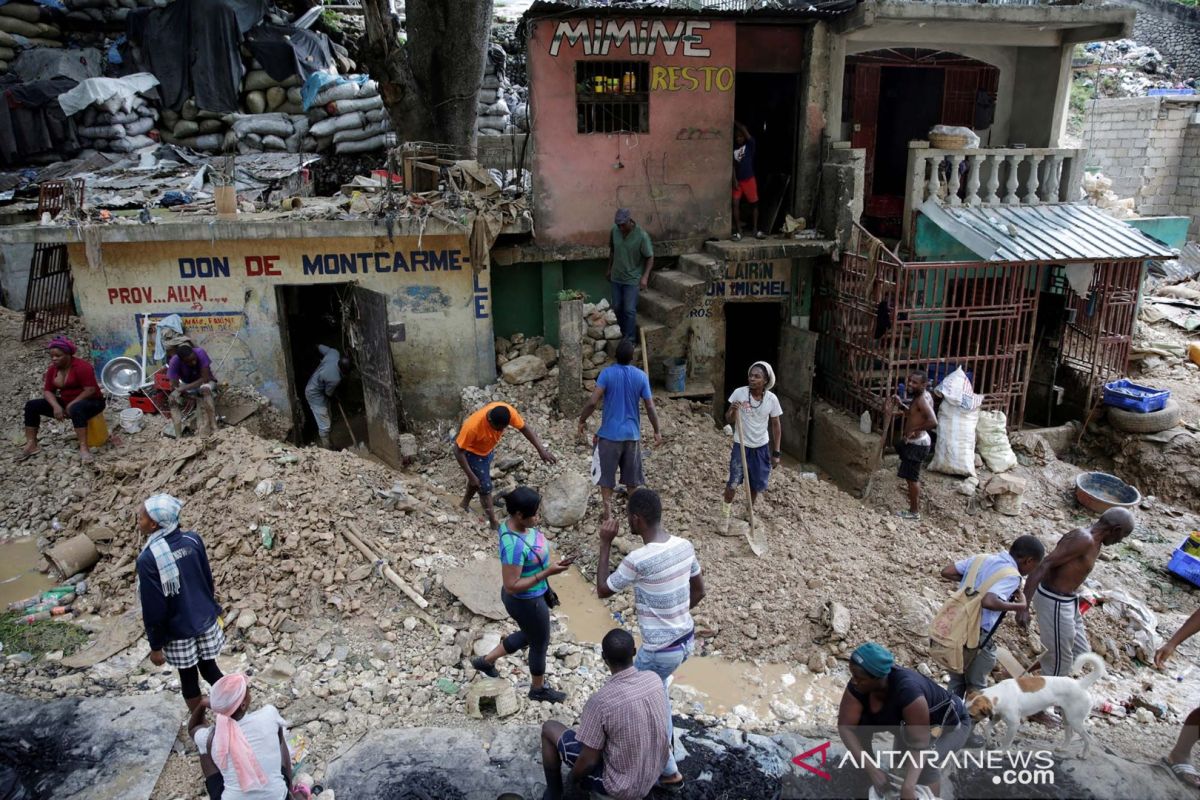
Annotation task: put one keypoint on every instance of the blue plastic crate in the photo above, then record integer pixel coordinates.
(1135, 397)
(1185, 566)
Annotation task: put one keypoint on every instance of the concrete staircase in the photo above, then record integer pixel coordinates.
(664, 308)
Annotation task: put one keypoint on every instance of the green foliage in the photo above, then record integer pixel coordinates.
(41, 637)
(567, 295)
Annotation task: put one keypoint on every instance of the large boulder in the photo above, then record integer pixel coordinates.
(523, 369)
(565, 500)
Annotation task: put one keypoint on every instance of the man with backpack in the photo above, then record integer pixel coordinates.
(988, 587)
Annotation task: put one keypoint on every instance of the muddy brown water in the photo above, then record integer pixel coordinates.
(716, 684)
(20, 575)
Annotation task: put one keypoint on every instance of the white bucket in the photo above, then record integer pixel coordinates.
(131, 420)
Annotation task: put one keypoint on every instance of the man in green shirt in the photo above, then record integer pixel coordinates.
(630, 260)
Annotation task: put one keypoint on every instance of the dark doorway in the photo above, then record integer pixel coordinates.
(910, 103)
(309, 316)
(766, 105)
(751, 334)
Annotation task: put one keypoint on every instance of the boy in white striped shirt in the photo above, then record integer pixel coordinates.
(667, 584)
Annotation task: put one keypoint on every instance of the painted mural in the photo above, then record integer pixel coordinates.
(225, 292)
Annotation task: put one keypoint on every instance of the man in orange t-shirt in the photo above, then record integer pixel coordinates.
(475, 446)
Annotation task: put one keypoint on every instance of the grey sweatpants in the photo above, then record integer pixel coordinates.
(1060, 626)
(318, 403)
(977, 665)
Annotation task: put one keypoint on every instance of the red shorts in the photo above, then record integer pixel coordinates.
(748, 189)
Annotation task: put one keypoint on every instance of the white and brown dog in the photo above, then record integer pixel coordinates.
(1014, 699)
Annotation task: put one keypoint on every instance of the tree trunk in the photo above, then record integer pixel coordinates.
(430, 84)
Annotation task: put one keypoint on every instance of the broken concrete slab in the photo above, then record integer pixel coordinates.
(477, 585)
(480, 764)
(103, 747)
(115, 636)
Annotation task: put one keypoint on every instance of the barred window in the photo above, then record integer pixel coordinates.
(612, 96)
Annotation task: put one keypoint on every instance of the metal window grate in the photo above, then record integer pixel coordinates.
(612, 96)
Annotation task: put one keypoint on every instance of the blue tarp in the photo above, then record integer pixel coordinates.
(319, 80)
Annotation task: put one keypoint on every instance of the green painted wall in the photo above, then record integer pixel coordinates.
(525, 296)
(1171, 231)
(587, 277)
(516, 295)
(931, 243)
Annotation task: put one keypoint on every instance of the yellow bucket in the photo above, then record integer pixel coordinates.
(1192, 545)
(97, 431)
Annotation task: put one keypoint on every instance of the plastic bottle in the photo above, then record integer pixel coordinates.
(1194, 353)
(1110, 708)
(32, 618)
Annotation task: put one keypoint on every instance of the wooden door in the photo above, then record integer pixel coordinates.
(797, 360)
(866, 116)
(374, 356)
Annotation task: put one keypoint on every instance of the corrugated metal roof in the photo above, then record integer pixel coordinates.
(1051, 232)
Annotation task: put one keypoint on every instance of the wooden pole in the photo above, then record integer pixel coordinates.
(353, 535)
(737, 418)
(645, 353)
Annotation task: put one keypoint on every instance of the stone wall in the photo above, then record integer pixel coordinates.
(1150, 148)
(1171, 28)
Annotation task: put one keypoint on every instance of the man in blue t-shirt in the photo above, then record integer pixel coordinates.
(618, 442)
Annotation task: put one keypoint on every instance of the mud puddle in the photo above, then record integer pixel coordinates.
(712, 684)
(20, 575)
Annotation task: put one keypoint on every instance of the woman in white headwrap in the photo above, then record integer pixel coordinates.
(759, 410)
(179, 607)
(249, 749)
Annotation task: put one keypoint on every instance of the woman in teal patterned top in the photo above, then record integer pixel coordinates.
(525, 566)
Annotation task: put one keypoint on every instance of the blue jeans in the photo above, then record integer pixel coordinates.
(664, 665)
(624, 304)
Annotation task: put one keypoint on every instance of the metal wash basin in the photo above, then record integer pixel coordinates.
(122, 375)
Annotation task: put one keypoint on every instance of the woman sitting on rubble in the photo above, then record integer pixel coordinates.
(69, 389)
(248, 750)
(525, 566)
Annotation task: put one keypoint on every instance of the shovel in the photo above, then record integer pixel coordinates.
(357, 444)
(756, 540)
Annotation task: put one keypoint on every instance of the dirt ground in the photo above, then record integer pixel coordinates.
(341, 651)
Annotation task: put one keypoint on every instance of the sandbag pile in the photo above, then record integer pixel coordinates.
(107, 14)
(269, 133)
(502, 107)
(347, 116)
(204, 131)
(262, 94)
(119, 124)
(24, 25)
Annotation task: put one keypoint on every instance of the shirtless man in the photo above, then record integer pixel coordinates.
(919, 420)
(1052, 587)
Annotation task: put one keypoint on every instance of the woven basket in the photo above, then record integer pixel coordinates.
(947, 141)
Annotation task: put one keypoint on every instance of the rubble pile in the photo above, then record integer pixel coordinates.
(1098, 192)
(1123, 68)
(601, 334)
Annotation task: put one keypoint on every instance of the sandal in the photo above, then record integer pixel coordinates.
(670, 786)
(913, 515)
(26, 456)
(1184, 772)
(87, 458)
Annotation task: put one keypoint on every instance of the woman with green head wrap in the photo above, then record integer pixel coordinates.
(884, 698)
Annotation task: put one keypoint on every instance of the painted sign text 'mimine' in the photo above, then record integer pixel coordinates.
(639, 37)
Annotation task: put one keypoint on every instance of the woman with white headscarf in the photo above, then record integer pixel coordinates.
(759, 410)
(248, 748)
(179, 607)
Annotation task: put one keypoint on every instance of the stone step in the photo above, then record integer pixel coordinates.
(662, 307)
(683, 286)
(702, 265)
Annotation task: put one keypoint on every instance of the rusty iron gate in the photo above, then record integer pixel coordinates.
(1099, 326)
(882, 319)
(49, 300)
